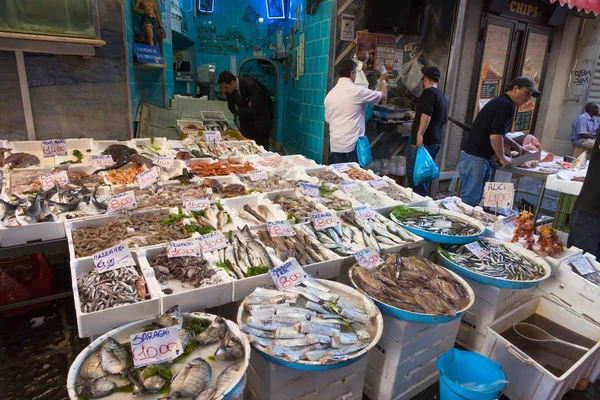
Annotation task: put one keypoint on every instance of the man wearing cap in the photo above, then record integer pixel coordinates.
(488, 137)
(431, 114)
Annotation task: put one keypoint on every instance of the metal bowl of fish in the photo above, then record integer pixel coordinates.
(436, 225)
(319, 325)
(414, 289)
(213, 364)
(502, 264)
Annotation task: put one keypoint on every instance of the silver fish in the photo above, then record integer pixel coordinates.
(228, 378)
(192, 379)
(230, 350)
(259, 341)
(313, 338)
(207, 394)
(287, 332)
(217, 330)
(115, 358)
(345, 338)
(173, 317)
(91, 368)
(96, 389)
(257, 332)
(311, 327)
(154, 384)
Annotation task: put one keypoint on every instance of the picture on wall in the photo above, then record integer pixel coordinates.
(206, 6)
(275, 9)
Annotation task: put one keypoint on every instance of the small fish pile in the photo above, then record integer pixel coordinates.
(441, 224)
(395, 194)
(499, 262)
(308, 323)
(125, 176)
(245, 256)
(328, 176)
(359, 175)
(378, 230)
(299, 207)
(481, 216)
(195, 271)
(302, 246)
(594, 277)
(372, 199)
(219, 168)
(286, 163)
(332, 201)
(261, 215)
(101, 291)
(271, 184)
(165, 195)
(110, 368)
(339, 239)
(412, 284)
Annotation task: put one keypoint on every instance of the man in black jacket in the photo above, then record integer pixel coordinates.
(249, 100)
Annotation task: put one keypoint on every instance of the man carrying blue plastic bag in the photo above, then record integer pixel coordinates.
(431, 114)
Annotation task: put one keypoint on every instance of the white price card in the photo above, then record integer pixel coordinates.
(121, 201)
(147, 177)
(47, 182)
(165, 162)
(310, 189)
(60, 178)
(60, 147)
(477, 250)
(272, 157)
(155, 347)
(365, 212)
(187, 141)
(509, 223)
(350, 187)
(498, 194)
(288, 274)
(323, 221)
(101, 160)
(341, 167)
(258, 175)
(48, 148)
(450, 205)
(183, 248)
(213, 137)
(116, 257)
(280, 228)
(196, 204)
(378, 184)
(582, 265)
(368, 258)
(212, 241)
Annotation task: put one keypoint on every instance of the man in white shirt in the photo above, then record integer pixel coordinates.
(345, 112)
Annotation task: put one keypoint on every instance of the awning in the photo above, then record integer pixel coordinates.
(586, 5)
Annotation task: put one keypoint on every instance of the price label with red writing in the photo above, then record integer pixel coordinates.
(368, 258)
(212, 241)
(258, 175)
(155, 347)
(183, 248)
(272, 157)
(341, 167)
(196, 204)
(60, 178)
(378, 184)
(310, 189)
(498, 194)
(48, 148)
(116, 257)
(60, 147)
(47, 182)
(101, 160)
(187, 141)
(280, 228)
(147, 177)
(213, 137)
(582, 265)
(323, 221)
(288, 274)
(121, 201)
(509, 223)
(450, 205)
(350, 187)
(477, 250)
(365, 212)
(165, 162)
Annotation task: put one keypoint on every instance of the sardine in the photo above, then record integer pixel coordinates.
(192, 379)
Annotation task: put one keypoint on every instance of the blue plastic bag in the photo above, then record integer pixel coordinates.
(425, 168)
(368, 112)
(363, 151)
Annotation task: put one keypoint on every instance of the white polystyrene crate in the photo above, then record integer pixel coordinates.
(232, 206)
(588, 289)
(286, 162)
(381, 197)
(528, 380)
(294, 194)
(85, 146)
(556, 261)
(384, 390)
(18, 235)
(470, 339)
(403, 332)
(192, 299)
(99, 322)
(101, 145)
(244, 287)
(33, 147)
(416, 199)
(553, 182)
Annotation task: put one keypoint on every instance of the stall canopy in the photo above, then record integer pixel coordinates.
(586, 5)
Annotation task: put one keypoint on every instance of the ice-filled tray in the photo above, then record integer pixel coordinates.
(258, 204)
(33, 147)
(84, 146)
(285, 162)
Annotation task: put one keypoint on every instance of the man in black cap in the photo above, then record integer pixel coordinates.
(488, 137)
(430, 117)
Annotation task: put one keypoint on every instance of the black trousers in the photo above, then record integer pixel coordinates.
(584, 232)
(257, 130)
(338, 158)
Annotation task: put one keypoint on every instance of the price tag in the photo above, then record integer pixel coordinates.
(288, 274)
(323, 221)
(102, 160)
(187, 141)
(310, 189)
(350, 187)
(60, 178)
(582, 265)
(340, 167)
(155, 347)
(365, 212)
(165, 162)
(60, 147)
(477, 250)
(509, 223)
(121, 201)
(272, 157)
(258, 175)
(368, 258)
(498, 194)
(213, 137)
(280, 228)
(183, 248)
(48, 148)
(116, 257)
(147, 177)
(196, 204)
(378, 184)
(212, 241)
(450, 205)
(47, 182)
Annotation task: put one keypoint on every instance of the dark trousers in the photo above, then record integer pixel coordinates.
(583, 231)
(338, 158)
(411, 154)
(257, 130)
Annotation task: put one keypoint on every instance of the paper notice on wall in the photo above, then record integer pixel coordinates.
(347, 33)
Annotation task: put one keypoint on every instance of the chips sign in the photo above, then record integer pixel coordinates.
(368, 258)
(155, 347)
(183, 248)
(310, 189)
(288, 274)
(323, 221)
(212, 241)
(498, 194)
(121, 201)
(213, 137)
(116, 257)
(280, 228)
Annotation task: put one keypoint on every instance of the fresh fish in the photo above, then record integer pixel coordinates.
(184, 338)
(290, 342)
(120, 154)
(230, 350)
(315, 355)
(221, 219)
(304, 293)
(325, 296)
(271, 323)
(115, 358)
(345, 338)
(173, 317)
(257, 332)
(207, 394)
(439, 223)
(287, 332)
(192, 379)
(255, 247)
(91, 368)
(311, 283)
(311, 327)
(256, 215)
(360, 331)
(342, 351)
(216, 331)
(315, 307)
(262, 292)
(9, 209)
(154, 384)
(259, 341)
(96, 388)
(355, 316)
(228, 378)
(313, 338)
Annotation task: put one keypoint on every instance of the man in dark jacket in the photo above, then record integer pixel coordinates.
(249, 100)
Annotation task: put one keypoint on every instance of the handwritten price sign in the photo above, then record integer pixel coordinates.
(288, 274)
(196, 204)
(102, 160)
(60, 147)
(272, 157)
(310, 189)
(183, 248)
(368, 258)
(477, 250)
(340, 167)
(121, 201)
(498, 194)
(378, 184)
(116, 257)
(280, 228)
(258, 175)
(350, 187)
(187, 141)
(147, 177)
(582, 265)
(365, 212)
(323, 221)
(155, 347)
(47, 148)
(213, 137)
(165, 162)
(450, 205)
(51, 180)
(212, 241)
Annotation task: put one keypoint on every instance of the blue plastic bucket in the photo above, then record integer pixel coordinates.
(458, 368)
